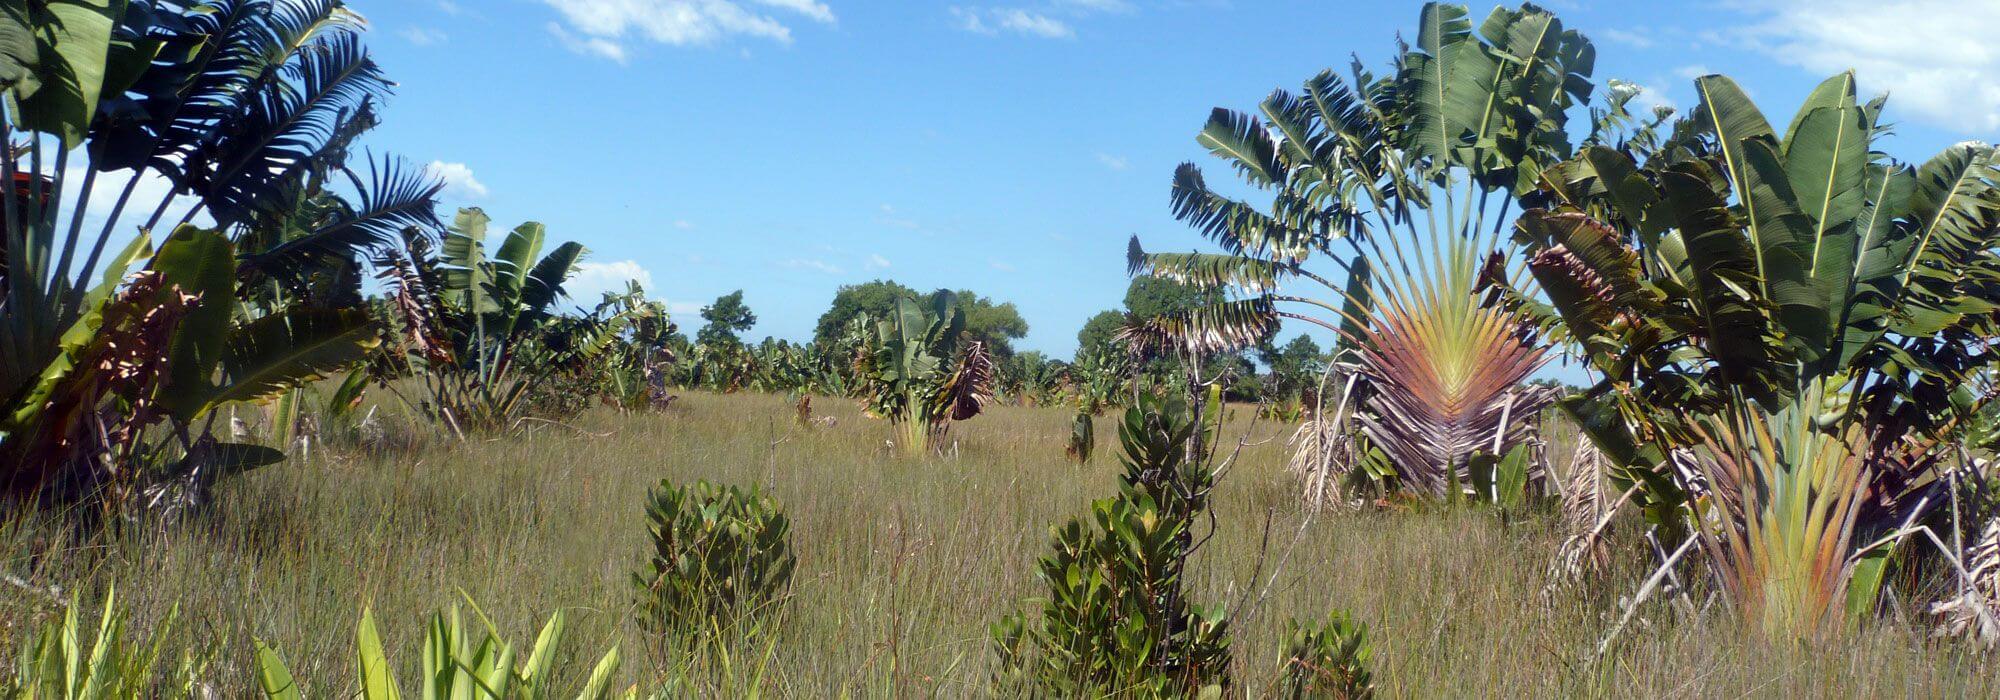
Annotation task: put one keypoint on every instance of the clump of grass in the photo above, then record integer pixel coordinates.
(902, 563)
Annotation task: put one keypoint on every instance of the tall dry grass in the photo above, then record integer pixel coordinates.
(902, 564)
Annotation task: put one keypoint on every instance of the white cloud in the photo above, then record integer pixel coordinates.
(1936, 57)
(589, 46)
(449, 7)
(1002, 266)
(1620, 36)
(423, 36)
(992, 21)
(877, 262)
(592, 280)
(683, 224)
(1096, 5)
(604, 28)
(458, 180)
(810, 264)
(1113, 162)
(1691, 72)
(1040, 25)
(818, 11)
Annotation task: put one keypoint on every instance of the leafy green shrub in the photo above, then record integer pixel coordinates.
(1329, 661)
(1117, 619)
(721, 556)
(453, 665)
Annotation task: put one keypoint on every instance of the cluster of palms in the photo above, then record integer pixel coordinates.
(132, 333)
(1786, 334)
(128, 323)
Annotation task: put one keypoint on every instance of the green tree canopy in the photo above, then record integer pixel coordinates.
(874, 299)
(1145, 297)
(1293, 365)
(1098, 331)
(726, 317)
(996, 324)
(1150, 297)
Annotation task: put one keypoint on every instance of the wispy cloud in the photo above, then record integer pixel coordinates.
(1113, 162)
(587, 45)
(1620, 36)
(684, 224)
(449, 7)
(1096, 5)
(423, 36)
(991, 21)
(876, 262)
(1049, 20)
(458, 180)
(1002, 266)
(1935, 57)
(811, 264)
(889, 217)
(606, 28)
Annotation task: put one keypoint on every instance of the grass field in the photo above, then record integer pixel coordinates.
(902, 564)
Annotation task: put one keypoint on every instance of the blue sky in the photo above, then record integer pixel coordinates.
(787, 147)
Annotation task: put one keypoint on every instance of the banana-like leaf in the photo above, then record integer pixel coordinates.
(269, 356)
(73, 48)
(18, 54)
(1836, 92)
(1447, 79)
(467, 274)
(222, 460)
(1787, 242)
(1725, 272)
(203, 262)
(510, 264)
(1730, 115)
(545, 282)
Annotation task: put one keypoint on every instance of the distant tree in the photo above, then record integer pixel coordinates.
(1099, 331)
(997, 325)
(1150, 297)
(726, 317)
(874, 299)
(1293, 365)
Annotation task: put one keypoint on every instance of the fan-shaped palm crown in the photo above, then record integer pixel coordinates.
(1403, 182)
